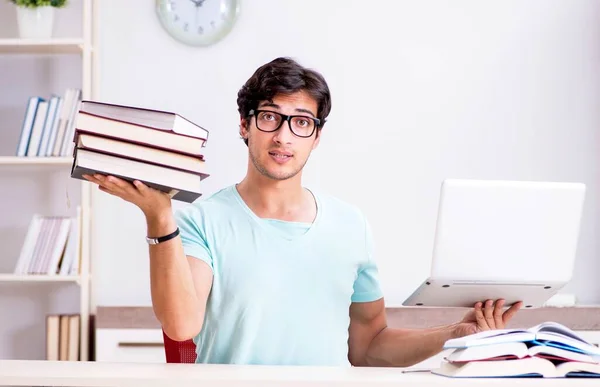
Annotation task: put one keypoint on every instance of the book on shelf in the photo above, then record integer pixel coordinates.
(51, 246)
(548, 350)
(161, 149)
(48, 125)
(62, 337)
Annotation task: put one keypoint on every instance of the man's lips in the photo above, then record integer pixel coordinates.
(280, 156)
(278, 153)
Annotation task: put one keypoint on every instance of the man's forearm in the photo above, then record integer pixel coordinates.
(174, 297)
(406, 347)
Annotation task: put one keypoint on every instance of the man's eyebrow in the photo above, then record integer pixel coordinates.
(269, 104)
(274, 105)
(301, 110)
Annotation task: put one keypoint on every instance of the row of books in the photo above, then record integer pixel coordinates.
(48, 125)
(63, 337)
(549, 350)
(51, 246)
(161, 149)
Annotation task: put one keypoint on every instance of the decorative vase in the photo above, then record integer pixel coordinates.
(35, 22)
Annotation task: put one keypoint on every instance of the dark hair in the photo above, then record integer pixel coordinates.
(284, 76)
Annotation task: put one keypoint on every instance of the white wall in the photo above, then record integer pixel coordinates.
(422, 90)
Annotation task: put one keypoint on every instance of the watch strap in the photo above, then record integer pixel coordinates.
(155, 241)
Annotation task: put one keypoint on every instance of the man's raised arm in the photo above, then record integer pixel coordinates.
(180, 285)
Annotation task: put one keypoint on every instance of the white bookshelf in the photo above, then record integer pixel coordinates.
(43, 182)
(36, 161)
(39, 278)
(41, 46)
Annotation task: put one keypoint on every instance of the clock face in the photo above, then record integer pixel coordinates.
(197, 22)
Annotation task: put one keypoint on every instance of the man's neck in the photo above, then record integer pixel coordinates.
(283, 200)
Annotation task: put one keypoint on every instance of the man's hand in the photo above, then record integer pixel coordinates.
(152, 202)
(486, 316)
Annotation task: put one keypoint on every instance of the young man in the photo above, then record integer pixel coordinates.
(268, 272)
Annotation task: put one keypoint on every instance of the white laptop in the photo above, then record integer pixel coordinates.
(511, 240)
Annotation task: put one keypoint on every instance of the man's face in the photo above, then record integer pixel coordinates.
(281, 154)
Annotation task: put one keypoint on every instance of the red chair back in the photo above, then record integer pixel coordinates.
(179, 351)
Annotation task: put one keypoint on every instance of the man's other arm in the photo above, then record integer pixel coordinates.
(180, 284)
(373, 343)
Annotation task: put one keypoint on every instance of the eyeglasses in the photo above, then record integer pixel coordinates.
(269, 121)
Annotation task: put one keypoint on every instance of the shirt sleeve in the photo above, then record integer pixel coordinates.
(191, 231)
(366, 286)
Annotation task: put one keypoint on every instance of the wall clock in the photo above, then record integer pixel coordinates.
(197, 22)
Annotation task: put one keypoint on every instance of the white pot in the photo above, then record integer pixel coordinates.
(35, 23)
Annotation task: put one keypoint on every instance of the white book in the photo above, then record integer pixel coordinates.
(71, 254)
(55, 127)
(63, 122)
(29, 244)
(38, 128)
(27, 126)
(547, 331)
(530, 366)
(67, 144)
(48, 125)
(57, 247)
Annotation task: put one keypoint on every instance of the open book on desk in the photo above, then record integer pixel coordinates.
(526, 367)
(550, 333)
(547, 350)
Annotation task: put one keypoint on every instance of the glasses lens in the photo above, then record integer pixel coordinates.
(302, 126)
(268, 121)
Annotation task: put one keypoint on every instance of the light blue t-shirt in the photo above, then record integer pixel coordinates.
(281, 291)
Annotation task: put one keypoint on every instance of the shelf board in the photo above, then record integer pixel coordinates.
(41, 46)
(7, 277)
(51, 161)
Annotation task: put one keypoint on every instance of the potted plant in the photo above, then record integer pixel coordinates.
(35, 18)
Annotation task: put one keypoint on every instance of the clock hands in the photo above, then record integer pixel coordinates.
(198, 4)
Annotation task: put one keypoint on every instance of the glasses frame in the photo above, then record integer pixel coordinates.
(285, 118)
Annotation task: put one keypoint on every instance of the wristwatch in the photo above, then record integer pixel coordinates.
(155, 241)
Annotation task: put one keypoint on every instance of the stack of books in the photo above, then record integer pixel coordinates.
(161, 149)
(548, 350)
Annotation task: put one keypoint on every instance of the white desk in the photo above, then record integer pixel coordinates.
(98, 374)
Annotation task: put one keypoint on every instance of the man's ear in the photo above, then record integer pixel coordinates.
(317, 139)
(244, 128)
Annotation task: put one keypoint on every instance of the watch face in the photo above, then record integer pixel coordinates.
(197, 22)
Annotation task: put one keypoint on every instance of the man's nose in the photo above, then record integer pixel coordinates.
(284, 134)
